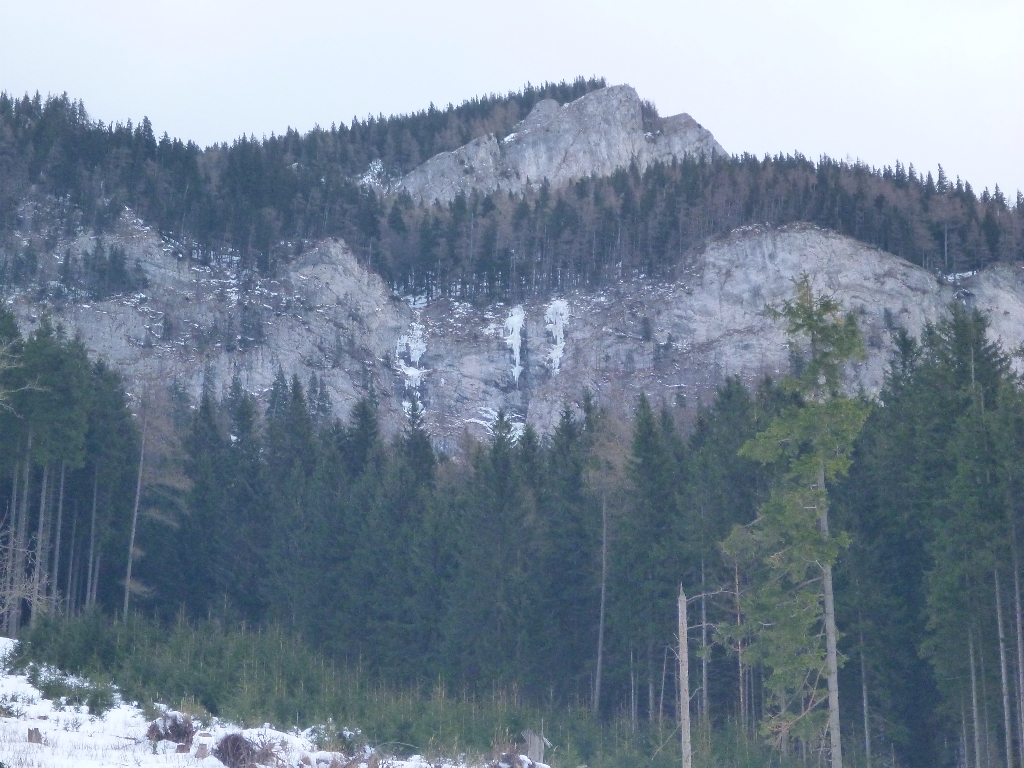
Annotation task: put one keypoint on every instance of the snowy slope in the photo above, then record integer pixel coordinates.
(72, 738)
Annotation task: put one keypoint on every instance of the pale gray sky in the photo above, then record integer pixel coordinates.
(922, 81)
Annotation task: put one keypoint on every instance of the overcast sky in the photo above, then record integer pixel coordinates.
(927, 82)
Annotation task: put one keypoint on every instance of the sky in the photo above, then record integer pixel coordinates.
(920, 81)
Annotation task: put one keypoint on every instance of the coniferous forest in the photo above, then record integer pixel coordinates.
(809, 529)
(550, 566)
(264, 200)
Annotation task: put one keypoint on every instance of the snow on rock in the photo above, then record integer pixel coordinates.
(555, 319)
(514, 339)
(488, 418)
(412, 346)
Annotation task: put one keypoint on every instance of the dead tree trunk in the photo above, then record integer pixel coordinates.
(684, 682)
(135, 519)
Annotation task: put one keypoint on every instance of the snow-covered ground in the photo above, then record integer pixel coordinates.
(72, 738)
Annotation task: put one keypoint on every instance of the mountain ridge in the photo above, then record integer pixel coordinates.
(476, 328)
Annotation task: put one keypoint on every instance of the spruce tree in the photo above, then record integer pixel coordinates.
(789, 547)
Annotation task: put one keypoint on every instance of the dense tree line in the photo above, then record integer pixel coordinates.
(265, 199)
(490, 571)
(653, 224)
(248, 195)
(68, 456)
(550, 565)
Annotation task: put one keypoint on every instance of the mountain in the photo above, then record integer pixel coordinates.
(163, 312)
(328, 316)
(597, 134)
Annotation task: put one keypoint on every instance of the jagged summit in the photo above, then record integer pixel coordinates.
(598, 133)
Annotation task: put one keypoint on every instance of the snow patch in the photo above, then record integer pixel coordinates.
(411, 346)
(957, 276)
(514, 339)
(488, 418)
(555, 318)
(412, 343)
(375, 175)
(74, 738)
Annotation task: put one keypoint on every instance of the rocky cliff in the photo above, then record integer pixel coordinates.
(596, 134)
(327, 315)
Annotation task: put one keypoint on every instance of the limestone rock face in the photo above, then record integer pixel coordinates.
(327, 315)
(596, 134)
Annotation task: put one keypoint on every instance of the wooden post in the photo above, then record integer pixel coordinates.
(684, 682)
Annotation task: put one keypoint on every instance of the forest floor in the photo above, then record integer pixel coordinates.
(70, 737)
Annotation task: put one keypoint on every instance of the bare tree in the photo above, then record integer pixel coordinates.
(684, 682)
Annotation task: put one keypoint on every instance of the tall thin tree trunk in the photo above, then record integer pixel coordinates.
(650, 683)
(864, 701)
(96, 578)
(831, 656)
(9, 600)
(963, 735)
(1007, 718)
(739, 654)
(632, 691)
(604, 584)
(684, 682)
(60, 522)
(38, 565)
(68, 607)
(92, 538)
(986, 730)
(705, 712)
(1020, 635)
(661, 696)
(21, 538)
(974, 699)
(135, 518)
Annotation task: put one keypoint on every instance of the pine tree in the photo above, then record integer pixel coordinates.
(790, 547)
(648, 552)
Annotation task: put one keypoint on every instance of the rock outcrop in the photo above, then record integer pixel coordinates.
(327, 315)
(597, 134)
